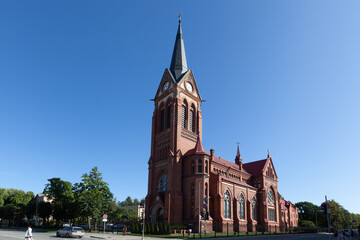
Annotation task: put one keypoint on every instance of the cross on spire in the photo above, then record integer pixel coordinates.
(180, 13)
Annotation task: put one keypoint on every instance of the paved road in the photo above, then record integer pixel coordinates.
(6, 234)
(19, 234)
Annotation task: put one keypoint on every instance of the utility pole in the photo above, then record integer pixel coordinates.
(199, 210)
(143, 230)
(327, 215)
(201, 181)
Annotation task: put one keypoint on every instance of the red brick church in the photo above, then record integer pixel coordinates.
(239, 196)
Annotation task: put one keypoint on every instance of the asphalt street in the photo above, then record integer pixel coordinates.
(19, 234)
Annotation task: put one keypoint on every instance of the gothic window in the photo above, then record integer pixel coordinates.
(162, 185)
(206, 166)
(271, 206)
(200, 166)
(270, 197)
(242, 207)
(192, 120)
(183, 116)
(227, 207)
(193, 166)
(206, 189)
(271, 214)
(162, 120)
(253, 209)
(168, 117)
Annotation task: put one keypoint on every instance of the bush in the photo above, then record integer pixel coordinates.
(168, 229)
(306, 223)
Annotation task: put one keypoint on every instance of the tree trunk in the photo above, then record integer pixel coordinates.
(89, 225)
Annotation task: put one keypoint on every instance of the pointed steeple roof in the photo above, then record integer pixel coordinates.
(198, 149)
(178, 64)
(238, 159)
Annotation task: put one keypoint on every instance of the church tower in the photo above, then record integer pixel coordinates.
(176, 127)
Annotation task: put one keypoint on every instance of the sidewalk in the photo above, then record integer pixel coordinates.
(118, 236)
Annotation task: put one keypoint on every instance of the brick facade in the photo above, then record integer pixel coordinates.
(241, 196)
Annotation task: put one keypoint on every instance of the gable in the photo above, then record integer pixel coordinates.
(269, 170)
(168, 79)
(188, 84)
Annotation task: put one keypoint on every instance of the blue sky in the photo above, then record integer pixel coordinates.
(76, 78)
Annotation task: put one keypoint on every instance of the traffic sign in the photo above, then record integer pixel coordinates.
(105, 220)
(205, 199)
(205, 205)
(105, 216)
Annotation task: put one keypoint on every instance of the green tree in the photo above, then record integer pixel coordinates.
(338, 215)
(307, 211)
(16, 204)
(61, 194)
(4, 193)
(93, 195)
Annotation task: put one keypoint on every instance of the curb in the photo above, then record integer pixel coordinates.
(97, 237)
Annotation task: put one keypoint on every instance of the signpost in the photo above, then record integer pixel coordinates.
(104, 220)
(327, 215)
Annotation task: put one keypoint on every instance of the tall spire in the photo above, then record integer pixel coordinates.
(238, 159)
(178, 64)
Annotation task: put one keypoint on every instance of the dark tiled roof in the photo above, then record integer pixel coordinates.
(178, 64)
(198, 149)
(237, 182)
(227, 163)
(255, 168)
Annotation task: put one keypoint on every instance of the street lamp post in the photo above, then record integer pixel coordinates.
(143, 216)
(204, 176)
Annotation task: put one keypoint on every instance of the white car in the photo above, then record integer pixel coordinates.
(71, 232)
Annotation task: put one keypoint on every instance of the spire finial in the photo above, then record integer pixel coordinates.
(180, 13)
(268, 150)
(238, 150)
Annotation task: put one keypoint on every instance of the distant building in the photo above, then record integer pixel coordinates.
(38, 199)
(182, 175)
(138, 209)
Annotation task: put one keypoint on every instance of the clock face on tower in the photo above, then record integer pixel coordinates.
(165, 86)
(189, 86)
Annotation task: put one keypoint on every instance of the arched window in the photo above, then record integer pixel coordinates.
(162, 185)
(162, 120)
(168, 117)
(271, 206)
(183, 116)
(193, 166)
(192, 120)
(242, 207)
(206, 166)
(253, 209)
(227, 206)
(200, 170)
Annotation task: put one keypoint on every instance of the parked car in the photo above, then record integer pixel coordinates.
(347, 232)
(118, 227)
(71, 232)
